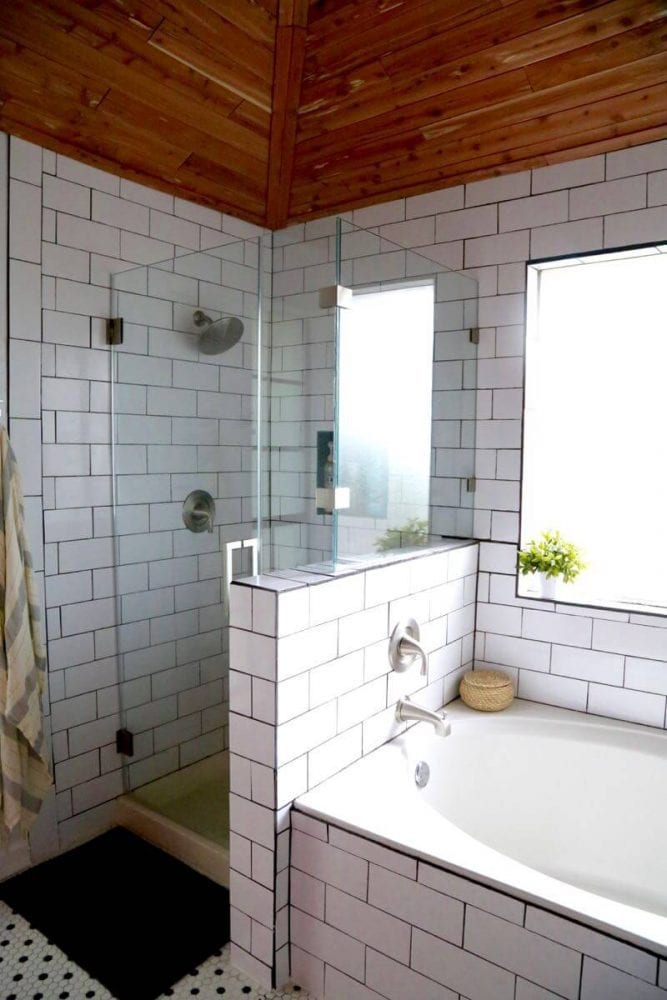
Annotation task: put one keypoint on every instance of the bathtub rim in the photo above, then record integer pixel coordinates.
(628, 929)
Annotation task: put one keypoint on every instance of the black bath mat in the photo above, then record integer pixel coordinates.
(129, 914)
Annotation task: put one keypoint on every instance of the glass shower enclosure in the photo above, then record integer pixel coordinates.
(188, 417)
(373, 397)
(276, 402)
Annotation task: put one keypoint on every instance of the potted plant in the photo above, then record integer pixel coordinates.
(413, 532)
(549, 559)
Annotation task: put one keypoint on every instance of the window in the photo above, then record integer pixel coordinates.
(595, 422)
(385, 376)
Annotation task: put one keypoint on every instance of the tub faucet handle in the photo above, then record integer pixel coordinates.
(405, 647)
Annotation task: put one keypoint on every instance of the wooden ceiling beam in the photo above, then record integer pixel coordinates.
(290, 51)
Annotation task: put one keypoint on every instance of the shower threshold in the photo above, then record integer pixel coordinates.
(186, 814)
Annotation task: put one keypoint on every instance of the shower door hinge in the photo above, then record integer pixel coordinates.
(125, 742)
(114, 331)
(474, 335)
(335, 295)
(471, 484)
(329, 498)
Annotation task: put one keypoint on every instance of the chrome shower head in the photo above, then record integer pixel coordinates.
(218, 335)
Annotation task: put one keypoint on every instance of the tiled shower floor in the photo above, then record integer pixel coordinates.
(33, 969)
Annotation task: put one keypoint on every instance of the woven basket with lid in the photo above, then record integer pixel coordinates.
(487, 690)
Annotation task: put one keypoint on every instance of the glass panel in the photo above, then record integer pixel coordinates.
(302, 394)
(405, 415)
(185, 408)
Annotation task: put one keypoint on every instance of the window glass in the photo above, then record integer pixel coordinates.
(595, 422)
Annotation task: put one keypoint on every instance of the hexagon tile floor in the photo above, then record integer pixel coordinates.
(33, 969)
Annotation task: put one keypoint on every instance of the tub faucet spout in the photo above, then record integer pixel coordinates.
(406, 711)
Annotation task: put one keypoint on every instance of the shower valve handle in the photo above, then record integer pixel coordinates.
(199, 511)
(405, 647)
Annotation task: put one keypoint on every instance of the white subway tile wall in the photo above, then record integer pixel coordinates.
(61, 259)
(184, 422)
(360, 929)
(593, 660)
(311, 692)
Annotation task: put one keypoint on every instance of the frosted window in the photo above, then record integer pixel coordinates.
(595, 453)
(386, 364)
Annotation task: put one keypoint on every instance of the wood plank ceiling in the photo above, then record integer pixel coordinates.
(278, 111)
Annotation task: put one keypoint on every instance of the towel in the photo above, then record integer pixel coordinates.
(25, 775)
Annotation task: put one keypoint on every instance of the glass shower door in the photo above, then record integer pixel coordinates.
(187, 414)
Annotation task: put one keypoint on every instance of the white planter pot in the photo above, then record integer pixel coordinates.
(540, 585)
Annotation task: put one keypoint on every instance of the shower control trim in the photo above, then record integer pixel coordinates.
(199, 511)
(405, 648)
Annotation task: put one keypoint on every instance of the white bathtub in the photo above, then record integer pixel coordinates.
(551, 806)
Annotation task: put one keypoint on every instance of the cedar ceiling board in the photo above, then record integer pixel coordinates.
(19, 63)
(112, 146)
(510, 24)
(184, 104)
(255, 118)
(221, 26)
(122, 142)
(75, 122)
(477, 131)
(256, 20)
(329, 20)
(342, 108)
(209, 179)
(135, 15)
(646, 40)
(500, 145)
(500, 141)
(469, 37)
(15, 120)
(99, 24)
(385, 33)
(531, 107)
(421, 116)
(113, 47)
(320, 143)
(345, 108)
(212, 65)
(633, 132)
(639, 131)
(248, 171)
(47, 33)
